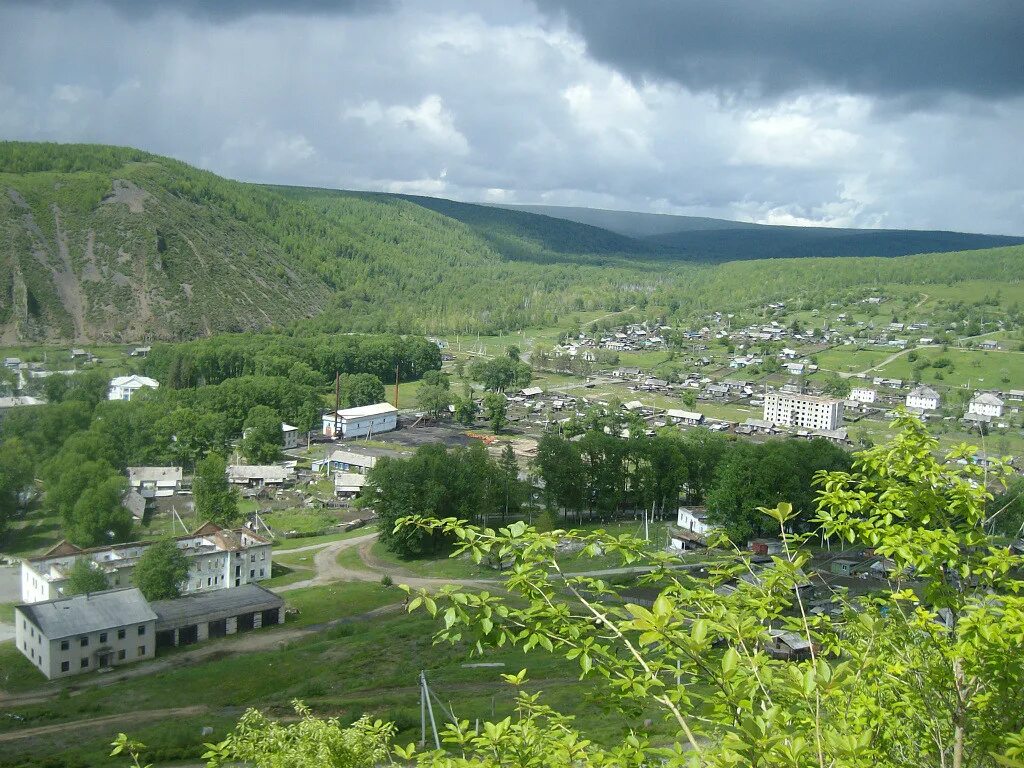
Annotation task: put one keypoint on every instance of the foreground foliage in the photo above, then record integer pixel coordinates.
(927, 671)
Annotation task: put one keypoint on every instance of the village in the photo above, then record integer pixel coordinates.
(306, 531)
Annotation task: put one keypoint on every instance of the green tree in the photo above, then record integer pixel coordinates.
(262, 436)
(905, 678)
(308, 743)
(465, 407)
(215, 499)
(496, 410)
(16, 472)
(511, 487)
(755, 475)
(161, 571)
(501, 373)
(87, 496)
(837, 386)
(434, 394)
(361, 389)
(84, 577)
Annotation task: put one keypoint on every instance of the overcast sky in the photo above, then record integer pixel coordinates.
(870, 113)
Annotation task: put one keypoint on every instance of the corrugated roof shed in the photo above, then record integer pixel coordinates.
(214, 605)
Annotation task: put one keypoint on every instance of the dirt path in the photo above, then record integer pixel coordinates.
(329, 570)
(120, 720)
(889, 359)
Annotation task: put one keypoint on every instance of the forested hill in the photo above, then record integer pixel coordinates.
(697, 238)
(103, 243)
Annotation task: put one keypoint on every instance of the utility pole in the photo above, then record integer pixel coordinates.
(396, 385)
(427, 708)
(337, 401)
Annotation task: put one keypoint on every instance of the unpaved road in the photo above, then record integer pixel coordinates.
(120, 720)
(329, 570)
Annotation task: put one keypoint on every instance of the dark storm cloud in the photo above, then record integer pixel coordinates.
(765, 48)
(225, 10)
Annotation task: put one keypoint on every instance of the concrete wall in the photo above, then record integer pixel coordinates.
(48, 655)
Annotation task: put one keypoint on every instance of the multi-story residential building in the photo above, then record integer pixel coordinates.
(220, 558)
(986, 404)
(863, 394)
(78, 634)
(923, 398)
(790, 409)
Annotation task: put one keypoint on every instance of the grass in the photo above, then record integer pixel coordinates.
(333, 601)
(976, 369)
(340, 672)
(33, 534)
(327, 538)
(438, 567)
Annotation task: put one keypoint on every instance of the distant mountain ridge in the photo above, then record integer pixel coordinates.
(101, 243)
(695, 238)
(631, 223)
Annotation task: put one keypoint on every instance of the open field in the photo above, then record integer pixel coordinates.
(366, 666)
(978, 369)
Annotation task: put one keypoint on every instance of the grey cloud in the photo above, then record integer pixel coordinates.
(225, 10)
(764, 48)
(479, 102)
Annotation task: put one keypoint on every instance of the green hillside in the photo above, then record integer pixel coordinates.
(113, 244)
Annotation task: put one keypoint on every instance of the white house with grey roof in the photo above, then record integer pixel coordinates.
(219, 558)
(259, 475)
(986, 404)
(923, 398)
(123, 387)
(72, 635)
(153, 482)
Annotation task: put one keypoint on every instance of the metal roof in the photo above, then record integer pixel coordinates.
(154, 475)
(213, 605)
(377, 409)
(92, 612)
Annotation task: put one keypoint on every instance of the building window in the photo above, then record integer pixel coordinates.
(261, 573)
(252, 574)
(121, 655)
(103, 637)
(84, 663)
(120, 634)
(64, 645)
(142, 630)
(252, 558)
(83, 642)
(65, 666)
(142, 650)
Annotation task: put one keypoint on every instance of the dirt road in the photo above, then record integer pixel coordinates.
(120, 720)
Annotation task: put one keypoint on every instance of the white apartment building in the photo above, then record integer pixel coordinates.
(220, 558)
(923, 398)
(863, 394)
(360, 422)
(788, 409)
(79, 634)
(986, 404)
(123, 387)
(289, 436)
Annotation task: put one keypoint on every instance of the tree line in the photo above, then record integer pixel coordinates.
(314, 358)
